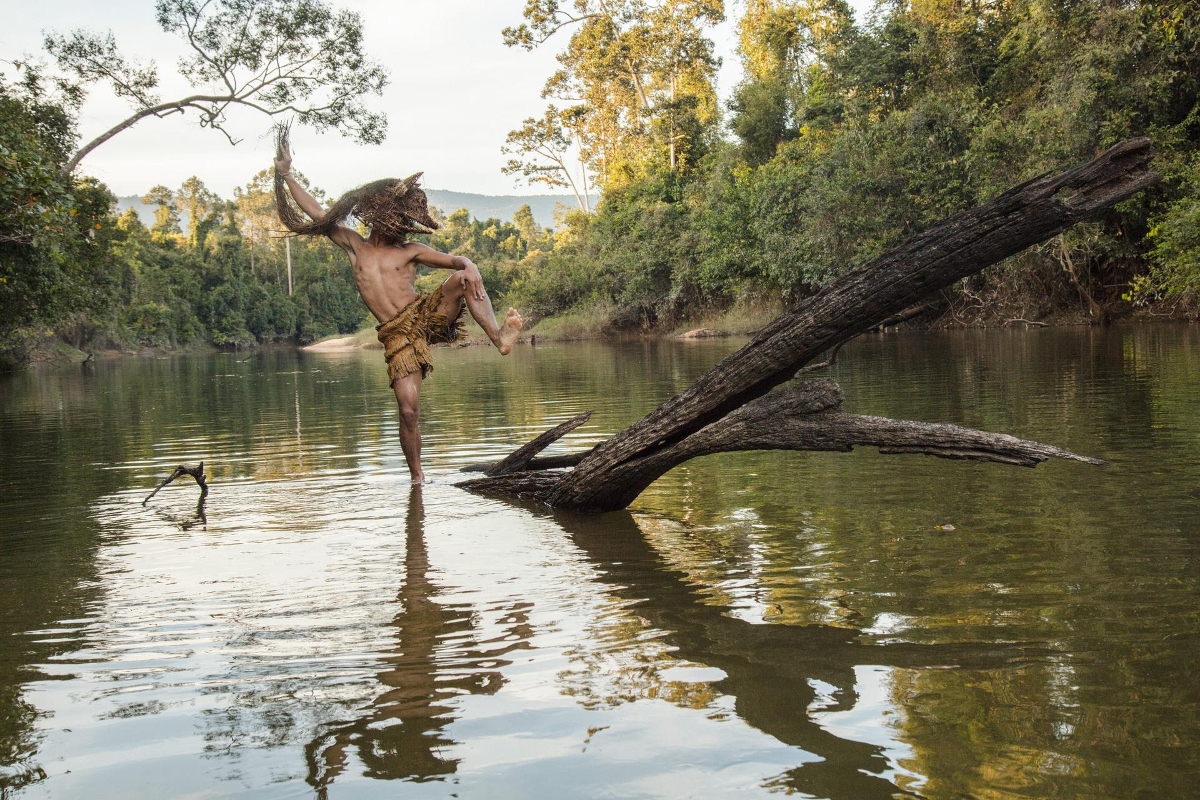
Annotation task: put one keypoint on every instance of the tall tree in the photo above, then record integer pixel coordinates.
(256, 215)
(541, 150)
(298, 57)
(638, 71)
(199, 203)
(166, 213)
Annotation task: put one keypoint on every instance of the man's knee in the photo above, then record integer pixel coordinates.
(408, 398)
(454, 287)
(410, 414)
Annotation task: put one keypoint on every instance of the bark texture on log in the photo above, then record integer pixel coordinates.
(615, 471)
(805, 416)
(520, 458)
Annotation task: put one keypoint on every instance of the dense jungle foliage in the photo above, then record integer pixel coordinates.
(842, 139)
(848, 138)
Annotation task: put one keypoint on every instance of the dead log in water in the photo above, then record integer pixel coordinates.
(804, 416)
(701, 419)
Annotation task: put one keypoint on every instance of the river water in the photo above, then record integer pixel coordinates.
(758, 623)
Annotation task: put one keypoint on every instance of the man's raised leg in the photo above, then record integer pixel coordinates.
(408, 396)
(503, 336)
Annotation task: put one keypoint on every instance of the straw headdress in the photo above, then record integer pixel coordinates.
(392, 207)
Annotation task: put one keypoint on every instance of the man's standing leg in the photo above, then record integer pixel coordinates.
(408, 396)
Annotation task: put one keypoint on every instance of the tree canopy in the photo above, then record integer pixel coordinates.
(849, 137)
(296, 57)
(638, 76)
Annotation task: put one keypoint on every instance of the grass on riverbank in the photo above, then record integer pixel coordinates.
(590, 322)
(745, 317)
(606, 320)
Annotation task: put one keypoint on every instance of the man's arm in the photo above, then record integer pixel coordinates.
(342, 236)
(472, 280)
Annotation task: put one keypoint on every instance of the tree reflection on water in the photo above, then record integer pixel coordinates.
(770, 668)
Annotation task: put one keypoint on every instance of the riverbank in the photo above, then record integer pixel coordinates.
(603, 321)
(609, 322)
(606, 321)
(362, 340)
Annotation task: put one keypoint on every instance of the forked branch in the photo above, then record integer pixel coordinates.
(196, 471)
(804, 416)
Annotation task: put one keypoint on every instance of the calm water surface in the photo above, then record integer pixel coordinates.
(759, 623)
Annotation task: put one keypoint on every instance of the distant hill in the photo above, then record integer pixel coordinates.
(502, 207)
(481, 206)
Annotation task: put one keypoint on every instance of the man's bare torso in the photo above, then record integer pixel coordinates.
(385, 275)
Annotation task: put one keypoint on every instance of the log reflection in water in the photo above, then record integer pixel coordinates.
(769, 667)
(401, 735)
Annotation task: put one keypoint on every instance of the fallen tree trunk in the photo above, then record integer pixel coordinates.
(616, 471)
(801, 417)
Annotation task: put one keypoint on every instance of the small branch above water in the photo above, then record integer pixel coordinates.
(196, 472)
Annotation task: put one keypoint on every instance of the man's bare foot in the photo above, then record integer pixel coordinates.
(418, 479)
(509, 331)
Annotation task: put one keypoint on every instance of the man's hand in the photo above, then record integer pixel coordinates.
(473, 281)
(283, 160)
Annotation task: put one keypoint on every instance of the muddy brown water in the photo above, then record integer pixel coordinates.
(756, 624)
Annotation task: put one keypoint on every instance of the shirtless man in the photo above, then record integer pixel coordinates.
(385, 271)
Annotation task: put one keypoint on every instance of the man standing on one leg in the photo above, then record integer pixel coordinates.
(385, 271)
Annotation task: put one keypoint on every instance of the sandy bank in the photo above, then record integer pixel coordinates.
(343, 344)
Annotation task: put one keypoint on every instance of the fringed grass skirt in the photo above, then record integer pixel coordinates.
(406, 337)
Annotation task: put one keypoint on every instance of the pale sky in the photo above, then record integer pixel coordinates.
(455, 92)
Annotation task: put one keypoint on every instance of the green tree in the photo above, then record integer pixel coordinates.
(528, 228)
(792, 52)
(166, 213)
(639, 76)
(297, 57)
(256, 216)
(54, 230)
(202, 206)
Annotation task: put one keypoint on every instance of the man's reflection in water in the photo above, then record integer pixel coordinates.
(768, 667)
(437, 658)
